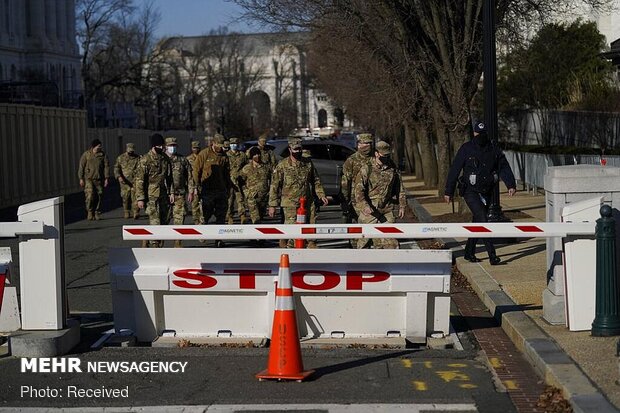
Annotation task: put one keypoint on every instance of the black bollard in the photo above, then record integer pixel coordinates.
(607, 319)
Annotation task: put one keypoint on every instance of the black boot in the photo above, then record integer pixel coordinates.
(470, 250)
(494, 260)
(471, 258)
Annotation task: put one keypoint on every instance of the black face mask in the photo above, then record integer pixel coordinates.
(385, 160)
(483, 139)
(159, 150)
(296, 155)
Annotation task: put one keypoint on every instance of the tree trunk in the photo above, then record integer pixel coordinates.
(412, 153)
(427, 154)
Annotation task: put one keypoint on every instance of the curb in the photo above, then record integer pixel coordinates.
(547, 358)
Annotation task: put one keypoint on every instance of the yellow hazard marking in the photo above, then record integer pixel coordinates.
(511, 384)
(452, 375)
(496, 363)
(467, 386)
(428, 364)
(406, 363)
(457, 365)
(419, 385)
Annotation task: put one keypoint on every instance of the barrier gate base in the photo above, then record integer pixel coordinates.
(203, 293)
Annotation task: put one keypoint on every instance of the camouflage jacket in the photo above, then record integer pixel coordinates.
(236, 160)
(255, 179)
(182, 179)
(153, 177)
(267, 157)
(125, 166)
(378, 187)
(212, 171)
(350, 169)
(192, 158)
(94, 166)
(290, 181)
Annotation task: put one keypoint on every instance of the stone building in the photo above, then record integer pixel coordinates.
(38, 49)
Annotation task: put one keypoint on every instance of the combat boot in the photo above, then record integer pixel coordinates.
(178, 244)
(126, 214)
(282, 243)
(312, 245)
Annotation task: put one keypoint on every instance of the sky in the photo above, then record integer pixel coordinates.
(197, 17)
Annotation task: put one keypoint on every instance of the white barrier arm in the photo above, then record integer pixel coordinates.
(13, 229)
(339, 231)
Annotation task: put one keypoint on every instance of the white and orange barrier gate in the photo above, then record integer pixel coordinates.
(339, 292)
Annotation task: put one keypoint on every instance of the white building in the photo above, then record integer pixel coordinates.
(38, 44)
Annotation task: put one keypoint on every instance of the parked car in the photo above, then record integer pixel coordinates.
(327, 157)
(349, 139)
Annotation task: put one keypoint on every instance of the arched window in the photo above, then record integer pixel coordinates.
(339, 116)
(322, 118)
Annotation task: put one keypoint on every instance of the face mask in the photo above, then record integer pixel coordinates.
(483, 139)
(296, 154)
(233, 146)
(158, 149)
(130, 152)
(171, 149)
(384, 159)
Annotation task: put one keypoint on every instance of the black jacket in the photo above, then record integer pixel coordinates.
(488, 156)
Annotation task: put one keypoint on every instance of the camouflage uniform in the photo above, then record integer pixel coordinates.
(237, 160)
(380, 188)
(255, 179)
(212, 176)
(153, 185)
(195, 204)
(267, 156)
(311, 204)
(290, 181)
(94, 169)
(350, 169)
(182, 184)
(125, 167)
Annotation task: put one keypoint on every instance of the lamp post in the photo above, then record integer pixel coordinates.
(490, 95)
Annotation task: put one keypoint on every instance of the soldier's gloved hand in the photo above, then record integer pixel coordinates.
(140, 204)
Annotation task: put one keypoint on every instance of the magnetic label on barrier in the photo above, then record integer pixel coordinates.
(332, 230)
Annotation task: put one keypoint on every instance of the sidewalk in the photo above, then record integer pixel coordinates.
(584, 367)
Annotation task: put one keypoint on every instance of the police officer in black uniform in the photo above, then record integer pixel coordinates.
(482, 163)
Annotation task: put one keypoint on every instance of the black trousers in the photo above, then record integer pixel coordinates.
(479, 210)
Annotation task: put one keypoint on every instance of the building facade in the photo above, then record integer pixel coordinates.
(38, 47)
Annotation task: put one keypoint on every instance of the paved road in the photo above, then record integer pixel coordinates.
(414, 379)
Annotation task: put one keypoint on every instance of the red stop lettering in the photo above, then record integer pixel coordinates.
(200, 279)
(330, 280)
(247, 278)
(356, 279)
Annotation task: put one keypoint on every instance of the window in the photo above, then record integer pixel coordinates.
(322, 118)
(340, 153)
(318, 151)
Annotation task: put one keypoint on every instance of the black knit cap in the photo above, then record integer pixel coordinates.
(157, 140)
(254, 151)
(95, 142)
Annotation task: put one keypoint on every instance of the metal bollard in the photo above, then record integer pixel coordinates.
(607, 319)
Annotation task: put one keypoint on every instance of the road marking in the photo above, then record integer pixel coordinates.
(419, 385)
(452, 375)
(406, 363)
(511, 384)
(496, 363)
(457, 365)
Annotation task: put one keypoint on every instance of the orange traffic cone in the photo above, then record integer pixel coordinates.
(284, 351)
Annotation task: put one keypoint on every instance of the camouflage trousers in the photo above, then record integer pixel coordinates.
(157, 211)
(128, 196)
(176, 213)
(257, 205)
(290, 217)
(196, 210)
(93, 192)
(235, 198)
(214, 203)
(379, 243)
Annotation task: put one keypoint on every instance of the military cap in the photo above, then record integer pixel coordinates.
(218, 139)
(254, 151)
(234, 140)
(364, 138)
(383, 148)
(480, 127)
(306, 153)
(96, 142)
(131, 147)
(262, 138)
(294, 143)
(195, 144)
(171, 141)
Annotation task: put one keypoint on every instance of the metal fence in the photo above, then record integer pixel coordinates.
(40, 148)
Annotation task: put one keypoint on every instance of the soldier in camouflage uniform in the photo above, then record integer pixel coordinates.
(154, 185)
(377, 189)
(293, 178)
(237, 160)
(267, 156)
(124, 171)
(254, 179)
(182, 182)
(312, 203)
(93, 173)
(195, 203)
(212, 175)
(350, 168)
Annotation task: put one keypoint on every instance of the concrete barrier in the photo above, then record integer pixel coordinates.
(230, 292)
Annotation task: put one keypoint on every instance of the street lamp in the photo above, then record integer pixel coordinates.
(490, 95)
